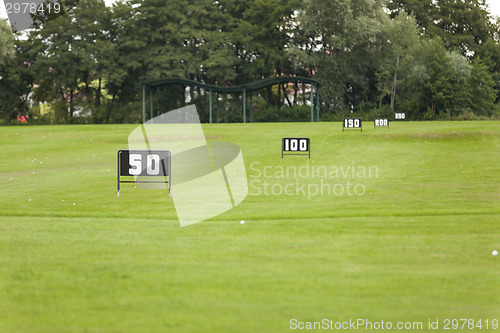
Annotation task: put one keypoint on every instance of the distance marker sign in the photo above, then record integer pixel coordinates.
(144, 163)
(296, 146)
(381, 122)
(354, 123)
(400, 116)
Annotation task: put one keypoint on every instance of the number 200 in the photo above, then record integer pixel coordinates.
(152, 164)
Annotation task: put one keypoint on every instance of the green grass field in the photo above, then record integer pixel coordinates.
(415, 245)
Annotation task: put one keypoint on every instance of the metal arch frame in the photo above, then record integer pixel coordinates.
(151, 85)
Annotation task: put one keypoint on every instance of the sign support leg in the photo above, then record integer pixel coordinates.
(118, 172)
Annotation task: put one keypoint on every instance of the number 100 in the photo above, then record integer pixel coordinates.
(295, 145)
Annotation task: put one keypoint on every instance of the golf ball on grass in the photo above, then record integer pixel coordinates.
(495, 252)
(242, 222)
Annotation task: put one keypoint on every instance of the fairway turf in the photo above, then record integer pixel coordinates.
(416, 245)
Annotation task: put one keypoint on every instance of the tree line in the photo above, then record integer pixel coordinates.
(432, 59)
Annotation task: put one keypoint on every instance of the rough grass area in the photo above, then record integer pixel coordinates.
(411, 240)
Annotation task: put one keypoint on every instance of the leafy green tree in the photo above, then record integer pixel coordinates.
(461, 24)
(17, 81)
(262, 30)
(482, 88)
(490, 56)
(11, 75)
(187, 39)
(69, 53)
(94, 56)
(6, 42)
(423, 10)
(181, 39)
(342, 47)
(402, 34)
(464, 25)
(437, 83)
(118, 67)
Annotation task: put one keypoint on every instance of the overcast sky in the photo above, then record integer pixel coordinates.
(494, 7)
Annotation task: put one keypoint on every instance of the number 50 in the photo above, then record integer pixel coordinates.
(152, 164)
